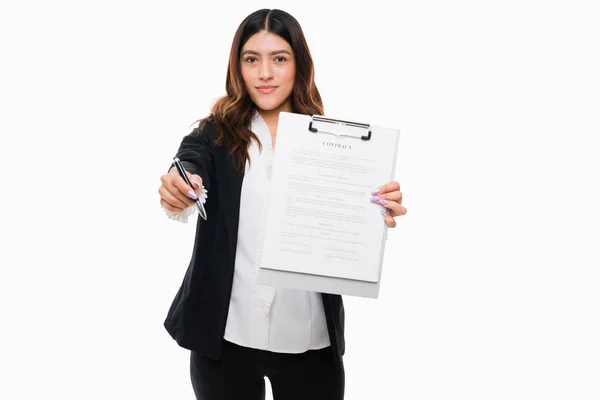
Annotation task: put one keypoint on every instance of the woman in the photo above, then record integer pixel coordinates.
(238, 331)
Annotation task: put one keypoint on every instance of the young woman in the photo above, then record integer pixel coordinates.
(238, 331)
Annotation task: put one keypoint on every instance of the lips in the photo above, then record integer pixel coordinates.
(266, 89)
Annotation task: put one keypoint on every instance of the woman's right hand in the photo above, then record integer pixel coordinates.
(175, 194)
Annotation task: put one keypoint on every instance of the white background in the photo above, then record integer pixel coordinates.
(490, 282)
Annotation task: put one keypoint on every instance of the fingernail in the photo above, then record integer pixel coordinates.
(383, 202)
(375, 192)
(192, 195)
(195, 184)
(375, 199)
(384, 213)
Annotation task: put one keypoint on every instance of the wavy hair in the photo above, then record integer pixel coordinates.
(233, 112)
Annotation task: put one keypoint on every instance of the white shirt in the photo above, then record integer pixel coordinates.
(263, 317)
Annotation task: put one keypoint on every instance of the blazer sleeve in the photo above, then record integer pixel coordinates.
(196, 152)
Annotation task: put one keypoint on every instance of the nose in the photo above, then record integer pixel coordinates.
(265, 71)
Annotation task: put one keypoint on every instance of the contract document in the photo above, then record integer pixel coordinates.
(322, 232)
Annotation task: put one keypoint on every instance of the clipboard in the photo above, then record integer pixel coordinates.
(354, 282)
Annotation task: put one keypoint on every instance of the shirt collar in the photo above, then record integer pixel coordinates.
(260, 128)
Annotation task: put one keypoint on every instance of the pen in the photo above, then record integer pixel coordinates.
(183, 174)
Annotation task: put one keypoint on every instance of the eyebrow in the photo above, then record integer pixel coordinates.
(273, 53)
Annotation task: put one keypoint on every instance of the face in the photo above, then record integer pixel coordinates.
(268, 69)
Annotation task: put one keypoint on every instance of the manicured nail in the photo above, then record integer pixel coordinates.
(375, 192)
(192, 195)
(195, 184)
(375, 199)
(384, 213)
(383, 202)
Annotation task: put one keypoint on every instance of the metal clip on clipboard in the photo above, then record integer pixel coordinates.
(339, 127)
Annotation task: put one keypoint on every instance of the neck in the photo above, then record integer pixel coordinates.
(271, 117)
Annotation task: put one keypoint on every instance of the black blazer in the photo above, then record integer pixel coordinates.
(198, 313)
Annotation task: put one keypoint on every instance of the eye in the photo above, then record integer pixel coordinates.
(250, 59)
(280, 59)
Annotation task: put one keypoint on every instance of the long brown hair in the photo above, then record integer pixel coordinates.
(233, 112)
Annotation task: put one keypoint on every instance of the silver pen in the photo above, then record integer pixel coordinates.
(183, 174)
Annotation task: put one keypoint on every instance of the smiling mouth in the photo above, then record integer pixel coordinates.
(266, 89)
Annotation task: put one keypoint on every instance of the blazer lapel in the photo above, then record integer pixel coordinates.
(229, 189)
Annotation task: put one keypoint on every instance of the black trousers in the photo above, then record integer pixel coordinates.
(240, 375)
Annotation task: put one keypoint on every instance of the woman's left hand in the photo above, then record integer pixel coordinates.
(389, 196)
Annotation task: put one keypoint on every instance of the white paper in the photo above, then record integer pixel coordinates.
(320, 219)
